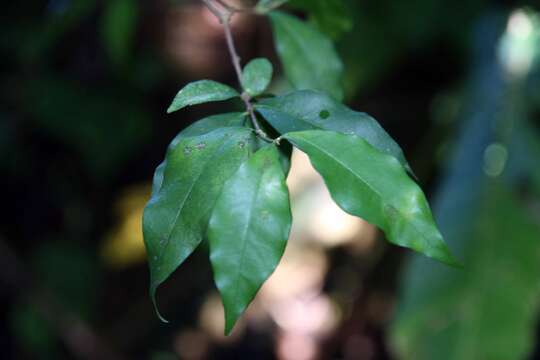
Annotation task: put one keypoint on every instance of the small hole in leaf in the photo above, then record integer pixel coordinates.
(324, 114)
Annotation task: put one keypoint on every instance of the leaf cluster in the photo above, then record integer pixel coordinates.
(223, 182)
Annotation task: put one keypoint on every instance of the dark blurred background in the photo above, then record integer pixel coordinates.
(84, 85)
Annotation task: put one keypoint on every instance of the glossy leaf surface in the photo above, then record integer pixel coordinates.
(175, 219)
(199, 127)
(312, 110)
(284, 148)
(374, 186)
(248, 230)
(256, 76)
(309, 58)
(200, 92)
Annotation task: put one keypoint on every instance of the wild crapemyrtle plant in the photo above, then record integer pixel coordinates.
(223, 177)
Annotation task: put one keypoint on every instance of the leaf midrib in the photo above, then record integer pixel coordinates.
(188, 195)
(245, 242)
(368, 185)
(210, 96)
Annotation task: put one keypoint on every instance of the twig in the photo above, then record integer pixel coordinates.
(225, 18)
(231, 8)
(258, 130)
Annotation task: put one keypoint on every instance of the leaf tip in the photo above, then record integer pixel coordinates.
(232, 314)
(444, 255)
(158, 314)
(153, 289)
(161, 318)
(455, 263)
(230, 321)
(171, 109)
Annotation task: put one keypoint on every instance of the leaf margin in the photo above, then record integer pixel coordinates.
(200, 92)
(442, 253)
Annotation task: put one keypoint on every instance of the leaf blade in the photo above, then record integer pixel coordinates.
(256, 200)
(367, 183)
(200, 92)
(256, 76)
(176, 218)
(312, 110)
(309, 58)
(200, 127)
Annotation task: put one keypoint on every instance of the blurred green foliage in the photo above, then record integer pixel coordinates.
(82, 92)
(118, 28)
(488, 310)
(82, 119)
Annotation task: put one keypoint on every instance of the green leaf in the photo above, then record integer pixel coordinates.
(285, 148)
(157, 180)
(309, 58)
(248, 230)
(312, 110)
(256, 76)
(264, 6)
(285, 152)
(201, 91)
(211, 123)
(374, 186)
(175, 219)
(489, 309)
(200, 127)
(332, 17)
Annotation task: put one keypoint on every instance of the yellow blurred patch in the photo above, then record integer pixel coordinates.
(123, 246)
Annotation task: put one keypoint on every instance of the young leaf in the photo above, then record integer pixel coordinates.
(176, 217)
(256, 76)
(200, 127)
(264, 6)
(248, 230)
(312, 110)
(309, 58)
(372, 185)
(201, 91)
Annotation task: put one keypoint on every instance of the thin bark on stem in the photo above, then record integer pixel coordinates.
(232, 48)
(233, 9)
(225, 18)
(212, 8)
